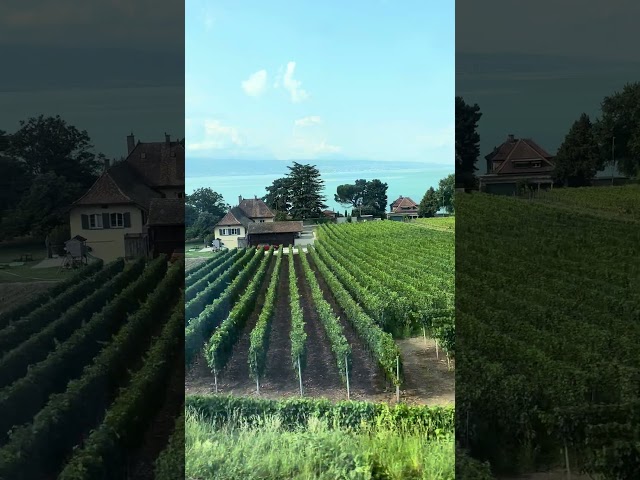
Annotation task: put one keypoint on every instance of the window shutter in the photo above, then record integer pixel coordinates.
(85, 221)
(106, 222)
(127, 220)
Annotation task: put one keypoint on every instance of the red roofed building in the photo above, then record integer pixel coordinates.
(517, 161)
(113, 215)
(403, 208)
(232, 229)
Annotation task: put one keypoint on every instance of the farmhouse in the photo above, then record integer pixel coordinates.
(517, 161)
(232, 230)
(166, 226)
(113, 214)
(273, 233)
(403, 208)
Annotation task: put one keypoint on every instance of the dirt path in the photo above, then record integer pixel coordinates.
(14, 294)
(235, 377)
(365, 379)
(426, 378)
(321, 371)
(156, 438)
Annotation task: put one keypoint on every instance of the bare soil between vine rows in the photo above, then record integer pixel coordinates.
(427, 380)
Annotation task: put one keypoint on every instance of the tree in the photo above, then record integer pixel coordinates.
(351, 195)
(49, 144)
(42, 207)
(429, 205)
(621, 119)
(14, 177)
(376, 196)
(305, 186)
(467, 143)
(278, 195)
(578, 158)
(205, 200)
(446, 190)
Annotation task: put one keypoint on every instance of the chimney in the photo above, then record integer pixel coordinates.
(239, 199)
(131, 143)
(167, 138)
(255, 197)
(510, 137)
(107, 164)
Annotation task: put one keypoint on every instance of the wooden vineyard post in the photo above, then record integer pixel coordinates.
(215, 378)
(437, 354)
(346, 371)
(300, 376)
(424, 334)
(255, 358)
(398, 379)
(566, 460)
(448, 362)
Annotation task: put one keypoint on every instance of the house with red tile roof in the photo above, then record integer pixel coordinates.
(403, 208)
(233, 228)
(130, 197)
(514, 162)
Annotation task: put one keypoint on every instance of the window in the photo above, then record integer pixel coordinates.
(117, 220)
(143, 155)
(95, 220)
(536, 164)
(180, 194)
(260, 221)
(229, 231)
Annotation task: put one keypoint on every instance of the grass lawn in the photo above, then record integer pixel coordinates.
(313, 451)
(25, 272)
(437, 223)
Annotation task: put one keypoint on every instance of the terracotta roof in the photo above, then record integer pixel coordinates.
(520, 151)
(166, 211)
(396, 202)
(404, 205)
(329, 213)
(160, 164)
(274, 227)
(255, 208)
(120, 184)
(235, 216)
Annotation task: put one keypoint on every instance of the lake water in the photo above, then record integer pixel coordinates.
(231, 180)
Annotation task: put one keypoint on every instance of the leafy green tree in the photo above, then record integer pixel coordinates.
(429, 204)
(42, 207)
(376, 196)
(578, 158)
(364, 195)
(446, 190)
(467, 143)
(351, 195)
(621, 119)
(205, 200)
(49, 144)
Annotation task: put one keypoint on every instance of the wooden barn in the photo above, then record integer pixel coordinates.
(273, 233)
(166, 226)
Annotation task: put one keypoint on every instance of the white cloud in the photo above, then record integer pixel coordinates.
(304, 147)
(443, 137)
(308, 121)
(216, 136)
(293, 86)
(256, 84)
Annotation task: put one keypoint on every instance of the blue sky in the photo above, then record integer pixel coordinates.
(308, 80)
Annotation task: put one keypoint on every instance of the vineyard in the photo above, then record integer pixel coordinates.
(91, 374)
(548, 304)
(321, 321)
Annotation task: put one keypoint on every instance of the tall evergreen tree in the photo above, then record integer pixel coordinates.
(278, 195)
(305, 185)
(578, 158)
(429, 204)
(467, 143)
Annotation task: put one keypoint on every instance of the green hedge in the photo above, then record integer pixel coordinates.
(297, 335)
(201, 327)
(104, 455)
(206, 267)
(220, 346)
(37, 450)
(24, 309)
(28, 395)
(16, 333)
(348, 414)
(259, 337)
(206, 293)
(170, 462)
(332, 326)
(212, 276)
(34, 349)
